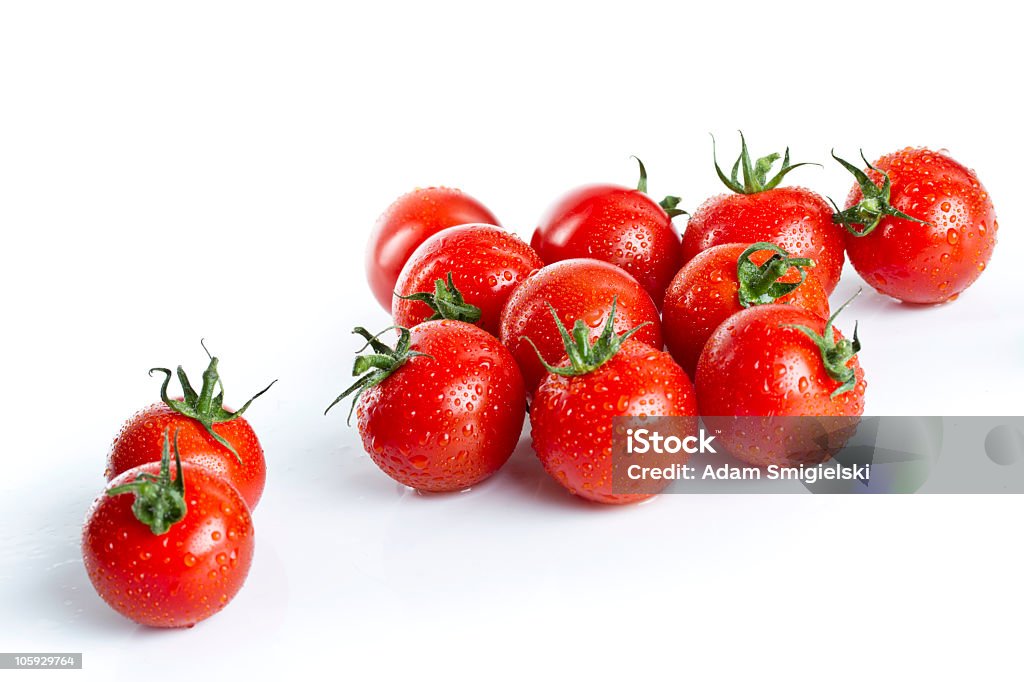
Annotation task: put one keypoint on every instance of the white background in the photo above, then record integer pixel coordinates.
(179, 170)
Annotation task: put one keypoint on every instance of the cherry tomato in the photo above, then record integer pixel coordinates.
(484, 263)
(778, 361)
(406, 224)
(580, 289)
(208, 435)
(920, 226)
(794, 218)
(175, 550)
(619, 225)
(708, 290)
(573, 408)
(443, 409)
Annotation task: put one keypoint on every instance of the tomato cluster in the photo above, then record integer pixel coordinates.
(171, 549)
(573, 327)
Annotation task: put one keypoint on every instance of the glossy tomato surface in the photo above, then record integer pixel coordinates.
(796, 219)
(757, 365)
(706, 291)
(578, 289)
(406, 224)
(445, 422)
(486, 264)
(180, 577)
(618, 225)
(140, 441)
(926, 263)
(572, 417)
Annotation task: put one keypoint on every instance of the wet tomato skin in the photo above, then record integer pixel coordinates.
(755, 365)
(446, 422)
(140, 441)
(618, 225)
(406, 224)
(579, 289)
(796, 219)
(571, 417)
(487, 263)
(926, 263)
(705, 292)
(180, 577)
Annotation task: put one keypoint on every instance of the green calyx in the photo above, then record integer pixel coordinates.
(375, 367)
(759, 284)
(755, 174)
(874, 204)
(835, 355)
(584, 356)
(159, 501)
(205, 407)
(670, 204)
(446, 302)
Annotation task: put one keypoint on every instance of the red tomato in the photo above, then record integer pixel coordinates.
(778, 361)
(406, 224)
(573, 408)
(707, 291)
(619, 225)
(796, 219)
(441, 411)
(208, 435)
(485, 264)
(924, 234)
(172, 553)
(580, 289)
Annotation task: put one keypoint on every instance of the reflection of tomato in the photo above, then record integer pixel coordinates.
(485, 264)
(778, 361)
(579, 289)
(619, 225)
(796, 219)
(708, 290)
(174, 551)
(406, 224)
(443, 409)
(914, 262)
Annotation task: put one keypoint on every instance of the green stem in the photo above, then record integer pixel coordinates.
(759, 284)
(159, 500)
(205, 407)
(755, 174)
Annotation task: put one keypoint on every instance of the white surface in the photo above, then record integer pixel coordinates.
(200, 169)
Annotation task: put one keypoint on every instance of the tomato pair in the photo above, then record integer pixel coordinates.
(171, 550)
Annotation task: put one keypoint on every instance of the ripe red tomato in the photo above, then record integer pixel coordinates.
(708, 290)
(209, 435)
(485, 264)
(406, 224)
(920, 226)
(580, 289)
(778, 361)
(619, 225)
(172, 553)
(441, 411)
(573, 408)
(796, 219)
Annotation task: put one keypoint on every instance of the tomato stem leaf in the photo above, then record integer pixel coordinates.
(835, 356)
(755, 173)
(204, 407)
(159, 501)
(584, 356)
(446, 301)
(874, 205)
(759, 284)
(374, 368)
